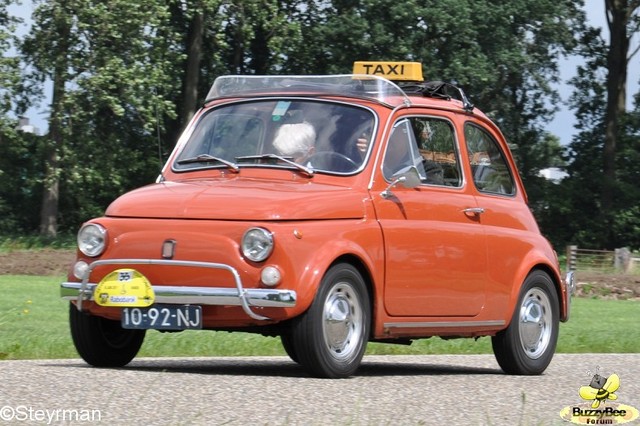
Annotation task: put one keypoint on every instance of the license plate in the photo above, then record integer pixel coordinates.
(163, 317)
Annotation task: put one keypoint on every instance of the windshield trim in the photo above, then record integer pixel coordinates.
(186, 136)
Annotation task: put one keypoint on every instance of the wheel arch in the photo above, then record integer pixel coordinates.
(369, 263)
(366, 275)
(558, 286)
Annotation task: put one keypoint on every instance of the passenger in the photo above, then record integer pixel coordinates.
(296, 140)
(425, 135)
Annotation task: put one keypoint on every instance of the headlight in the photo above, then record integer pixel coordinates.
(257, 244)
(92, 239)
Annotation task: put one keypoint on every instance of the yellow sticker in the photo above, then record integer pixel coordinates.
(124, 288)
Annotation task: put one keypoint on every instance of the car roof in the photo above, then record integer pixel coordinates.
(358, 86)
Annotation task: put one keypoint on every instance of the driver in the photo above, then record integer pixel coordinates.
(296, 140)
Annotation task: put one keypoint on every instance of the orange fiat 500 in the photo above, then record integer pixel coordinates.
(330, 211)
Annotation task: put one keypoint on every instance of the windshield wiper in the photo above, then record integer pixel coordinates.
(306, 170)
(206, 158)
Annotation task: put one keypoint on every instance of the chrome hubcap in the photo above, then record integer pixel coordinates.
(342, 323)
(535, 323)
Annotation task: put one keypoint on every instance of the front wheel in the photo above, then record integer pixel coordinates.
(527, 345)
(102, 342)
(288, 345)
(329, 339)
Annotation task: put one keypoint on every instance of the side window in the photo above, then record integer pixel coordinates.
(437, 146)
(491, 172)
(402, 151)
(428, 144)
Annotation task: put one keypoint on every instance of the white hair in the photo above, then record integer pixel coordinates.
(297, 138)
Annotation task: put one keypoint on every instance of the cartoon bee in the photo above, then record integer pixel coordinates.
(600, 389)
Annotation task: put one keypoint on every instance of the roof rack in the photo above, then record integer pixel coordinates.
(438, 89)
(408, 76)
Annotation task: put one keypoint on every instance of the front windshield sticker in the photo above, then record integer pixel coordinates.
(280, 110)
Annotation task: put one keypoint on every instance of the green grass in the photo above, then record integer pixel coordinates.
(36, 242)
(33, 325)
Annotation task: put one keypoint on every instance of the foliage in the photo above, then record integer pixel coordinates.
(10, 242)
(20, 172)
(127, 77)
(9, 66)
(617, 225)
(108, 103)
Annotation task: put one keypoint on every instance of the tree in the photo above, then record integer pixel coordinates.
(105, 61)
(15, 190)
(602, 153)
(59, 30)
(217, 37)
(504, 54)
(126, 71)
(623, 20)
(9, 66)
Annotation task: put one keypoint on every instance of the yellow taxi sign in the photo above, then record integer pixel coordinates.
(124, 288)
(398, 71)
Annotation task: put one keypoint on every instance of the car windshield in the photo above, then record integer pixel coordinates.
(306, 135)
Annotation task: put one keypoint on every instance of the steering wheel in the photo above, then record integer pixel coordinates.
(331, 160)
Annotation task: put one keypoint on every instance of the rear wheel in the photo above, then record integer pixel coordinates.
(529, 342)
(329, 339)
(102, 342)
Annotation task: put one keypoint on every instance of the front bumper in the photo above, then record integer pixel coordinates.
(223, 296)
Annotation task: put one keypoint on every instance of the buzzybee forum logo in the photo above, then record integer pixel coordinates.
(599, 408)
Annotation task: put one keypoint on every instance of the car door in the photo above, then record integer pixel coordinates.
(435, 248)
(507, 220)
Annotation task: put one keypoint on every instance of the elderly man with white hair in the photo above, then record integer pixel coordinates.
(295, 140)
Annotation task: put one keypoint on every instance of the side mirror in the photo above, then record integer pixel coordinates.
(409, 178)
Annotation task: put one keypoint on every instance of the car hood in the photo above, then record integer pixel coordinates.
(240, 199)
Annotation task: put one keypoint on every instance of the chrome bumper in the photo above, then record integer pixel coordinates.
(238, 296)
(570, 281)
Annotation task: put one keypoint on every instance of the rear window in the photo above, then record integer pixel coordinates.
(491, 173)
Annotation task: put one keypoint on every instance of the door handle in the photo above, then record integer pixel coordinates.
(476, 211)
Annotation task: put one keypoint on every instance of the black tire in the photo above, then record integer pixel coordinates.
(287, 344)
(330, 339)
(102, 342)
(527, 345)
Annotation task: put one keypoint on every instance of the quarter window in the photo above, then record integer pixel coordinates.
(427, 143)
(491, 172)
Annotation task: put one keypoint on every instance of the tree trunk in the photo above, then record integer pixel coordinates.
(618, 14)
(50, 193)
(192, 75)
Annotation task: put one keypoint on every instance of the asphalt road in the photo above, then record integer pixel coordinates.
(388, 390)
